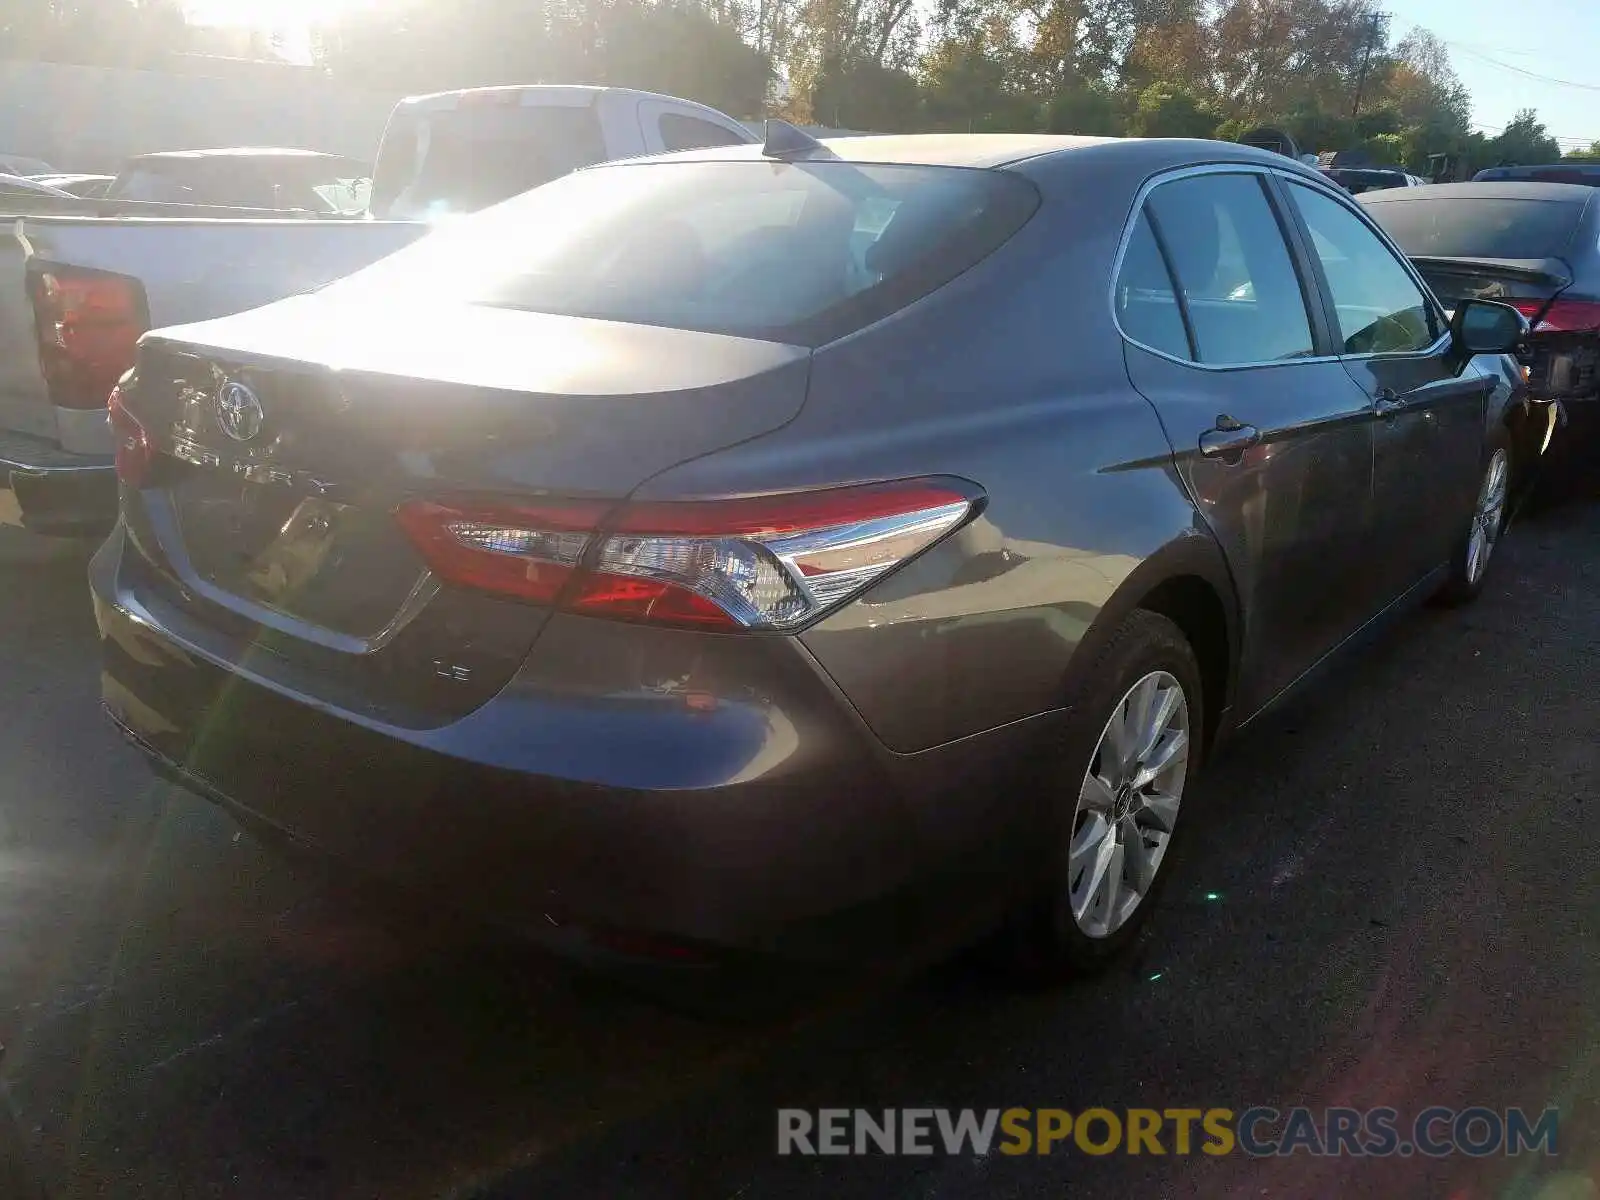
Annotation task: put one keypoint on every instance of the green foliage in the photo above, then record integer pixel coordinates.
(866, 95)
(1171, 110)
(1233, 129)
(1085, 111)
(678, 50)
(1524, 142)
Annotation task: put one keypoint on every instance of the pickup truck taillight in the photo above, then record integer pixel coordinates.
(749, 563)
(88, 324)
(133, 452)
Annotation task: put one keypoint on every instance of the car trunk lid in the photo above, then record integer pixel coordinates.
(286, 438)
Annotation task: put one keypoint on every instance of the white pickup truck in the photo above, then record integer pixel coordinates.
(77, 292)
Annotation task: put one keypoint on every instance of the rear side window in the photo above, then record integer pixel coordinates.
(679, 132)
(446, 161)
(1147, 304)
(1233, 267)
(1479, 227)
(801, 253)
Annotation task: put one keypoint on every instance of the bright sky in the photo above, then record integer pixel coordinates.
(1553, 38)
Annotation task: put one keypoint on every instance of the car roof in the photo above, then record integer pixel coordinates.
(1008, 149)
(579, 91)
(1572, 193)
(573, 95)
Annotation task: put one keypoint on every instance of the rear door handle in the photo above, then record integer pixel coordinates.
(1229, 442)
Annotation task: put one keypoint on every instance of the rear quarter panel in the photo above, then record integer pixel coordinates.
(1011, 377)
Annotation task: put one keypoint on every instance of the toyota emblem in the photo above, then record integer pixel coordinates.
(239, 412)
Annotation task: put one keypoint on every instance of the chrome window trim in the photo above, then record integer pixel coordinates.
(1261, 170)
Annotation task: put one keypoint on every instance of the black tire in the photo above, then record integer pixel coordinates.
(1044, 942)
(1463, 586)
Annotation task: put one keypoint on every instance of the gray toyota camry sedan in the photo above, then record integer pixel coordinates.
(796, 550)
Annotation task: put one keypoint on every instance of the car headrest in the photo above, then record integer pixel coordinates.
(918, 227)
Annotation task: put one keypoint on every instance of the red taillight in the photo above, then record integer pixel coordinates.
(529, 552)
(769, 562)
(134, 452)
(88, 324)
(1565, 316)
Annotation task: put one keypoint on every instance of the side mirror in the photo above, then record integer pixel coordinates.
(1487, 327)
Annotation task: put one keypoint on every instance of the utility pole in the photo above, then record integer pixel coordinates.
(1366, 61)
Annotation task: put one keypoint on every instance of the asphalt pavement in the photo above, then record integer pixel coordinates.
(1389, 899)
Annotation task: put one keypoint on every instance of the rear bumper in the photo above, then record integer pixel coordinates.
(589, 795)
(58, 492)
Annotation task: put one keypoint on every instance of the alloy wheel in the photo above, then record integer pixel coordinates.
(1128, 805)
(1488, 517)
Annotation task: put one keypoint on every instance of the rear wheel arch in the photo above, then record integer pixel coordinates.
(1193, 605)
(1187, 582)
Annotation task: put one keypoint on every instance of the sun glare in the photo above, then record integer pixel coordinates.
(268, 14)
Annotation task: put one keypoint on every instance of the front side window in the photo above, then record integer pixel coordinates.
(798, 252)
(1233, 267)
(1380, 307)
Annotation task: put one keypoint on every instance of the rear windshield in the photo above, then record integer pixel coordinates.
(321, 185)
(441, 162)
(1584, 176)
(800, 253)
(1471, 227)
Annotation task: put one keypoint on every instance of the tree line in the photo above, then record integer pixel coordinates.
(1331, 73)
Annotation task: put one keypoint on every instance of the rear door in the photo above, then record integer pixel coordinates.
(1431, 407)
(1229, 343)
